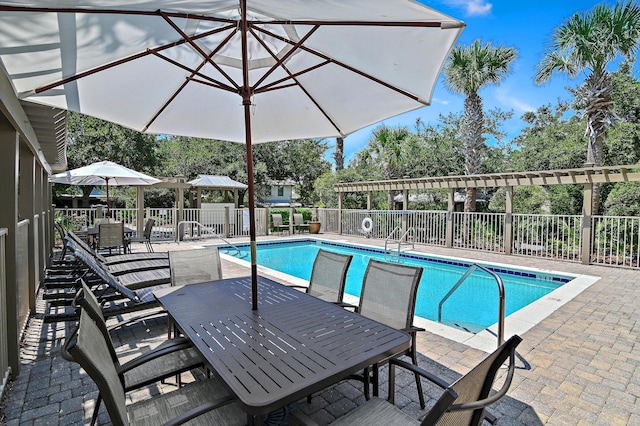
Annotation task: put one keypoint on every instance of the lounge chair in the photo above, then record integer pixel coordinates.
(328, 276)
(461, 403)
(205, 402)
(116, 298)
(145, 237)
(278, 224)
(299, 223)
(388, 295)
(171, 357)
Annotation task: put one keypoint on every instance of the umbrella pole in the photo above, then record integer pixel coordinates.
(246, 103)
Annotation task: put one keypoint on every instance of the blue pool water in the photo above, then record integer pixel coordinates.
(474, 306)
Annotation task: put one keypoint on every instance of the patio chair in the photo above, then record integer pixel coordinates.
(169, 358)
(145, 237)
(203, 402)
(278, 224)
(193, 267)
(299, 223)
(461, 403)
(388, 295)
(111, 236)
(328, 276)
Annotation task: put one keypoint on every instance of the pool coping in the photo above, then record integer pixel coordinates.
(518, 322)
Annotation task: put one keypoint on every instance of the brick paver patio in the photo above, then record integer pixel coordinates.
(579, 366)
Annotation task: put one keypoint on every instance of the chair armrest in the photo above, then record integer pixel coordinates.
(199, 410)
(412, 329)
(306, 289)
(298, 418)
(347, 306)
(167, 347)
(415, 369)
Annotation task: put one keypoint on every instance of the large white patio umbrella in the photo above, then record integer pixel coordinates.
(246, 71)
(104, 173)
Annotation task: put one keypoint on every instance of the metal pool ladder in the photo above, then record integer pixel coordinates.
(407, 237)
(501, 302)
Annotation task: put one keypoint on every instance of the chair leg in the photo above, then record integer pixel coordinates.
(414, 358)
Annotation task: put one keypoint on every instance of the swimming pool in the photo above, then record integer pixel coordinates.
(473, 307)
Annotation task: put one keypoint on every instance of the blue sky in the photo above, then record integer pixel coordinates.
(525, 25)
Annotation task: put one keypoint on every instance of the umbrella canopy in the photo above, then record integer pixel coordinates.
(239, 70)
(217, 182)
(103, 173)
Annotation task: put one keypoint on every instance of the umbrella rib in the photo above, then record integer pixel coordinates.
(199, 50)
(194, 72)
(280, 61)
(284, 67)
(270, 86)
(119, 62)
(348, 67)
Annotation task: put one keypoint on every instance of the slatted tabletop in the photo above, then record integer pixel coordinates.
(292, 346)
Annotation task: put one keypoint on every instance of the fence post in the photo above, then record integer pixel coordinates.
(226, 222)
(450, 207)
(586, 223)
(508, 220)
(340, 198)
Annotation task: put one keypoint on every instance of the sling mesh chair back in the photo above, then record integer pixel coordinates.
(145, 237)
(169, 358)
(388, 295)
(194, 266)
(329, 275)
(111, 236)
(88, 347)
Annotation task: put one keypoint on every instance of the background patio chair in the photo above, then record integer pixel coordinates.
(388, 295)
(145, 237)
(278, 224)
(206, 402)
(460, 404)
(169, 358)
(328, 276)
(111, 236)
(299, 223)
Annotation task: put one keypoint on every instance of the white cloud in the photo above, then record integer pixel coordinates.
(439, 101)
(472, 7)
(513, 102)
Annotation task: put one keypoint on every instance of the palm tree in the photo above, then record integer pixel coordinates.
(589, 42)
(385, 153)
(338, 155)
(469, 69)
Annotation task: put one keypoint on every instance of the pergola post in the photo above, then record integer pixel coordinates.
(508, 220)
(140, 204)
(586, 223)
(369, 198)
(450, 207)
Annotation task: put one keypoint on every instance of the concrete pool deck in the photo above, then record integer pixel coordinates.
(579, 365)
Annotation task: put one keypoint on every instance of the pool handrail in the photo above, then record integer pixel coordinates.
(501, 302)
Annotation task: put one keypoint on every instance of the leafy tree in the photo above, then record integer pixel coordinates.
(624, 200)
(526, 200)
(385, 154)
(300, 160)
(469, 69)
(549, 141)
(328, 197)
(589, 42)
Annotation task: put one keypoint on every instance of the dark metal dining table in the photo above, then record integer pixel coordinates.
(291, 346)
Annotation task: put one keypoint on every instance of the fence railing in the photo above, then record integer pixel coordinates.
(550, 236)
(4, 347)
(614, 241)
